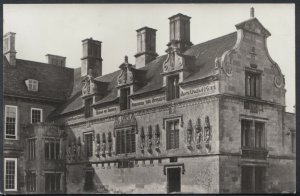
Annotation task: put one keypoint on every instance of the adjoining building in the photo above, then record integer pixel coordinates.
(202, 118)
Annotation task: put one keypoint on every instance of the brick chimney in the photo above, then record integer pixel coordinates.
(91, 59)
(56, 60)
(180, 32)
(146, 46)
(9, 48)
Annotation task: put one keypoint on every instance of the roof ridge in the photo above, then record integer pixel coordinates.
(45, 64)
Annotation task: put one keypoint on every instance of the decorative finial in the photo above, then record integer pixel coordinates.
(252, 12)
(126, 59)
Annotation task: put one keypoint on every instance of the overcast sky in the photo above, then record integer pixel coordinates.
(59, 28)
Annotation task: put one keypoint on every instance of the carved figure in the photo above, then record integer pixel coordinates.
(199, 133)
(74, 148)
(207, 131)
(89, 86)
(109, 140)
(98, 147)
(78, 148)
(157, 137)
(103, 144)
(189, 132)
(69, 151)
(149, 139)
(126, 76)
(142, 136)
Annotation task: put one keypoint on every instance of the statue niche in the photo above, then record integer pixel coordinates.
(103, 144)
(189, 136)
(150, 139)
(109, 142)
(142, 139)
(88, 84)
(207, 131)
(199, 133)
(98, 147)
(78, 148)
(157, 138)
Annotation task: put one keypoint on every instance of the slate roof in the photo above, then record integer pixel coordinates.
(204, 53)
(54, 82)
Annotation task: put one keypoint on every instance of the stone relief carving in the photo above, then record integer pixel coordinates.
(189, 134)
(109, 142)
(207, 134)
(78, 148)
(174, 61)
(125, 120)
(150, 139)
(199, 133)
(88, 84)
(126, 75)
(98, 147)
(142, 139)
(157, 138)
(103, 146)
(74, 149)
(69, 151)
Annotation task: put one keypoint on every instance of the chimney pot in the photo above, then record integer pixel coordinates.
(252, 12)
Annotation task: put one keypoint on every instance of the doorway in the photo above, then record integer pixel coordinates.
(174, 180)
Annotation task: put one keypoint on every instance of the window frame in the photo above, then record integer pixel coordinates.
(168, 145)
(92, 143)
(31, 154)
(16, 123)
(60, 181)
(88, 112)
(175, 94)
(55, 155)
(41, 115)
(29, 181)
(15, 175)
(258, 83)
(253, 135)
(125, 105)
(32, 85)
(122, 139)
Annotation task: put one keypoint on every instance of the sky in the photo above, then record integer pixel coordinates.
(59, 29)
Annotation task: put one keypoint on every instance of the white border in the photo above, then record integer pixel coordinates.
(16, 173)
(16, 125)
(41, 110)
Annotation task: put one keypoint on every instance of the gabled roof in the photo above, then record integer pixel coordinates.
(253, 25)
(54, 82)
(204, 54)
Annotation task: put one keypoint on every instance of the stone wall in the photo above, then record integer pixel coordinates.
(201, 176)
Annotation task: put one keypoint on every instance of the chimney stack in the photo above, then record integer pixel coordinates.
(252, 12)
(146, 46)
(91, 59)
(180, 32)
(9, 48)
(56, 60)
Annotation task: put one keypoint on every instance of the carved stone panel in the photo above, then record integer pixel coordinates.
(174, 61)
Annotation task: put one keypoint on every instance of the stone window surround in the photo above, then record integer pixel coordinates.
(37, 109)
(15, 176)
(16, 122)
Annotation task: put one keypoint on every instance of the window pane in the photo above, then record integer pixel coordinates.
(47, 150)
(259, 135)
(52, 150)
(89, 144)
(57, 150)
(10, 174)
(11, 115)
(36, 116)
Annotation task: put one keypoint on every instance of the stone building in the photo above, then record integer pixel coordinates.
(202, 118)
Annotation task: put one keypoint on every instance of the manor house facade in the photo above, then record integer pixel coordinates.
(201, 118)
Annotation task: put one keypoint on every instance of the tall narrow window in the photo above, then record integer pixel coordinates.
(11, 122)
(253, 179)
(246, 133)
(10, 174)
(259, 135)
(252, 84)
(88, 108)
(173, 87)
(125, 141)
(124, 99)
(31, 181)
(293, 137)
(52, 182)
(52, 149)
(89, 144)
(172, 134)
(36, 115)
(31, 149)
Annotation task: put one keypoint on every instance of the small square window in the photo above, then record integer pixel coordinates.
(36, 115)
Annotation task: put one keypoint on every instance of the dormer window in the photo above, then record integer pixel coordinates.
(32, 85)
(173, 87)
(124, 98)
